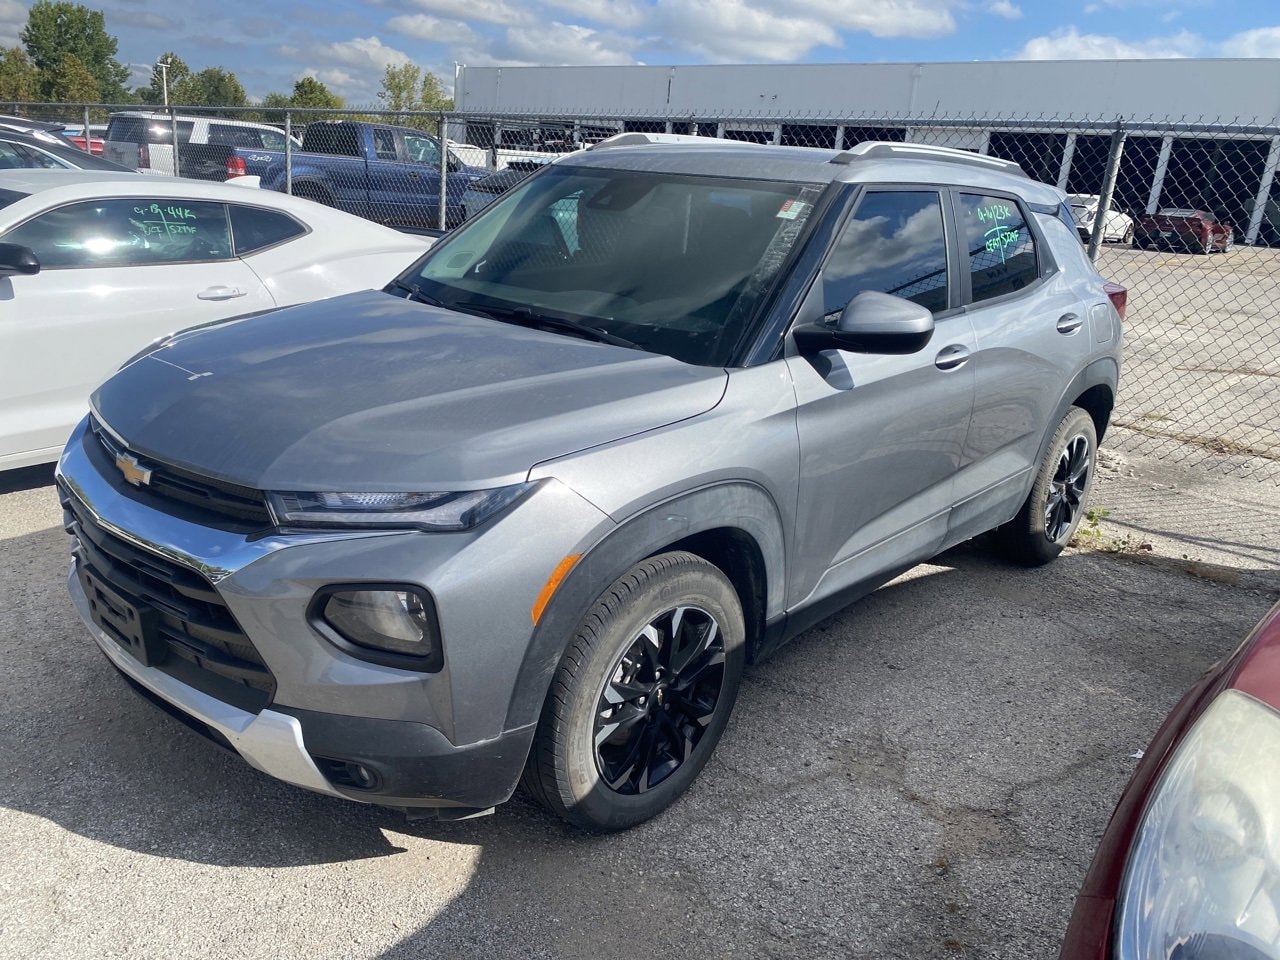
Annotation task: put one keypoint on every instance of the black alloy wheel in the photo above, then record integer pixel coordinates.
(1067, 488)
(659, 700)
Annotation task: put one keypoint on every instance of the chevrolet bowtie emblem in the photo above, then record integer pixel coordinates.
(133, 472)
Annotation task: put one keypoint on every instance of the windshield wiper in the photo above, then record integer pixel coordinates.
(414, 293)
(526, 317)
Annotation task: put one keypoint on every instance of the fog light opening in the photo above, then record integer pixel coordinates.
(349, 773)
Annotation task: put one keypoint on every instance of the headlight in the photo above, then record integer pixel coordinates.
(1203, 878)
(422, 511)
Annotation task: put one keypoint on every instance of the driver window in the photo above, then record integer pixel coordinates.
(384, 144)
(422, 149)
(895, 244)
(112, 233)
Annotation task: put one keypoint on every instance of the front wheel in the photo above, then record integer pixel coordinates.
(641, 696)
(1054, 508)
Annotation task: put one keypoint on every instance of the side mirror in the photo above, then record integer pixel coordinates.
(17, 260)
(454, 164)
(871, 323)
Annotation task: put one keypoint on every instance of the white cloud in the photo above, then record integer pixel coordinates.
(1262, 42)
(619, 14)
(423, 26)
(880, 18)
(13, 17)
(485, 11)
(1068, 43)
(353, 68)
(731, 29)
(1004, 8)
(563, 43)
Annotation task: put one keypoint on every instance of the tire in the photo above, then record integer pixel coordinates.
(309, 191)
(1206, 245)
(1127, 237)
(1040, 530)
(609, 689)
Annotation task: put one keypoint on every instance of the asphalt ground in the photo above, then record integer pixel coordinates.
(1202, 355)
(924, 775)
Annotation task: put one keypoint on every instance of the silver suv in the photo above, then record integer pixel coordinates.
(524, 515)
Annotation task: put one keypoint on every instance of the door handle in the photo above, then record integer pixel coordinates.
(1069, 323)
(952, 357)
(221, 292)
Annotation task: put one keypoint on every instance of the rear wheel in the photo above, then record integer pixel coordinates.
(641, 696)
(309, 191)
(1058, 499)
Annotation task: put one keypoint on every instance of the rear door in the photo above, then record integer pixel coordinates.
(1032, 338)
(881, 437)
(115, 275)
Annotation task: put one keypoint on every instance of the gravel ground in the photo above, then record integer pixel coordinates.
(924, 775)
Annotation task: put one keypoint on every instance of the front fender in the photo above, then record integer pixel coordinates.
(737, 504)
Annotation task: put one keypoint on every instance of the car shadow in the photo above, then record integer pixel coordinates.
(26, 478)
(876, 753)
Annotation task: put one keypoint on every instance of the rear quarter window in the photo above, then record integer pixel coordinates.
(144, 130)
(1001, 250)
(256, 229)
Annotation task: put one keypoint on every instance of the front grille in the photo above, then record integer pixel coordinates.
(217, 498)
(198, 640)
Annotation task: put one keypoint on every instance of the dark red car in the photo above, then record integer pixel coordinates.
(1189, 866)
(1195, 231)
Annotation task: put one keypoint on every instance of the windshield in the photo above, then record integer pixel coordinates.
(674, 264)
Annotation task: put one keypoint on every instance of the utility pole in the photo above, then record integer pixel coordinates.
(164, 78)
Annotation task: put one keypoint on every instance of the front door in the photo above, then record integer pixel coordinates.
(115, 275)
(880, 436)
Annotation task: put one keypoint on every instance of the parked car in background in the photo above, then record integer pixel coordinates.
(1189, 865)
(94, 266)
(1192, 231)
(480, 193)
(144, 140)
(25, 150)
(387, 174)
(524, 515)
(93, 142)
(1118, 227)
(42, 129)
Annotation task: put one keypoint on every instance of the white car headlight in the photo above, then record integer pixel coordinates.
(422, 511)
(1203, 878)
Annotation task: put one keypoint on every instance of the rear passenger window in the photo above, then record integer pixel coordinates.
(255, 228)
(894, 244)
(1002, 254)
(384, 144)
(135, 232)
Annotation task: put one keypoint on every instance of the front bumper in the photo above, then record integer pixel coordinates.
(444, 739)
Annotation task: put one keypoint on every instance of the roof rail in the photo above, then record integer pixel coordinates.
(887, 149)
(637, 139)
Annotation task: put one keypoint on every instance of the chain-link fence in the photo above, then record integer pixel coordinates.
(1184, 213)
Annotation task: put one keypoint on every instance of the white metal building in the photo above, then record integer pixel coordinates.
(1208, 131)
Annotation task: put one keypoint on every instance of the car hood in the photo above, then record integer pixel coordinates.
(373, 392)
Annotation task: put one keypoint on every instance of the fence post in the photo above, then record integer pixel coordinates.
(288, 151)
(1108, 187)
(493, 147)
(88, 141)
(444, 172)
(173, 126)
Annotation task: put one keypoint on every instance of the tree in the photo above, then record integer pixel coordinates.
(57, 29)
(177, 71)
(211, 87)
(73, 83)
(310, 92)
(19, 79)
(407, 88)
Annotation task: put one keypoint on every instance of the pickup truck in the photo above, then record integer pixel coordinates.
(387, 174)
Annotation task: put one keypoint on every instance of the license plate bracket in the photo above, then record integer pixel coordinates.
(133, 625)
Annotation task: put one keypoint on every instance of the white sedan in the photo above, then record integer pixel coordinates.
(94, 266)
(1084, 208)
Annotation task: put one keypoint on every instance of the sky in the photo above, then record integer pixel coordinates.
(271, 43)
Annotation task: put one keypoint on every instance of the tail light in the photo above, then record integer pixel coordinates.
(144, 157)
(236, 167)
(1118, 295)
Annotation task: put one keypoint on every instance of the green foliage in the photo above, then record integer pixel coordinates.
(177, 72)
(310, 92)
(57, 30)
(19, 79)
(71, 82)
(409, 89)
(211, 87)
